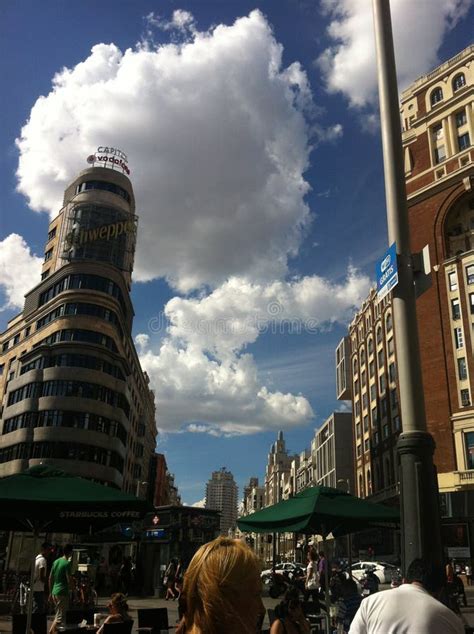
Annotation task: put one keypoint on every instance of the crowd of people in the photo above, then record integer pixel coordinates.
(221, 592)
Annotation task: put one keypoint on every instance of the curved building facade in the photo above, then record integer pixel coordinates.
(72, 390)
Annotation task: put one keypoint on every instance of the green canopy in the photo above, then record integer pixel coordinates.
(319, 511)
(44, 498)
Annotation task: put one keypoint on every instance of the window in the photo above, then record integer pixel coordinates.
(440, 153)
(386, 431)
(461, 118)
(381, 358)
(462, 368)
(437, 131)
(396, 423)
(358, 430)
(362, 356)
(5, 346)
(458, 338)
(2, 367)
(436, 96)
(371, 369)
(383, 383)
(390, 347)
(453, 280)
(463, 141)
(363, 379)
(394, 398)
(364, 400)
(370, 345)
(16, 339)
(376, 438)
(373, 393)
(374, 416)
(48, 255)
(469, 275)
(356, 387)
(379, 334)
(455, 309)
(357, 408)
(459, 81)
(27, 331)
(471, 299)
(366, 445)
(51, 234)
(383, 405)
(469, 440)
(392, 372)
(389, 322)
(355, 366)
(44, 274)
(465, 398)
(366, 423)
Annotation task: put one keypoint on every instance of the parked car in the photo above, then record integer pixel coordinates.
(383, 570)
(280, 569)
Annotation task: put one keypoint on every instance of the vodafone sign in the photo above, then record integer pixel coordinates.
(110, 157)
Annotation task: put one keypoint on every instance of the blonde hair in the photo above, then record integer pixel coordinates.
(217, 585)
(119, 601)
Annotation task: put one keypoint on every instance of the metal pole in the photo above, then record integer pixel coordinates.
(421, 533)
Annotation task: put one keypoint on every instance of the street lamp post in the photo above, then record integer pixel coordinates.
(347, 489)
(421, 532)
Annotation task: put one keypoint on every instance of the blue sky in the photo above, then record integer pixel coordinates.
(251, 130)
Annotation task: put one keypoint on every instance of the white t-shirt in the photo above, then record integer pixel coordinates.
(408, 609)
(40, 562)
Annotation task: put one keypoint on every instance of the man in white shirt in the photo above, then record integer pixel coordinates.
(410, 608)
(39, 594)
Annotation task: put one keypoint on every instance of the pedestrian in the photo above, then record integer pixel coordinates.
(468, 572)
(178, 580)
(169, 580)
(60, 586)
(322, 571)
(39, 585)
(410, 608)
(311, 586)
(125, 575)
(347, 605)
(222, 590)
(290, 618)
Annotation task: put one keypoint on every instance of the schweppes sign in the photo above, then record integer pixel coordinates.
(104, 232)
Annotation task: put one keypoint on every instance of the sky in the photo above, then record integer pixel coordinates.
(253, 140)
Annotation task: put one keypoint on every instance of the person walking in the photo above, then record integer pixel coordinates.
(311, 585)
(60, 586)
(410, 608)
(322, 571)
(468, 572)
(39, 584)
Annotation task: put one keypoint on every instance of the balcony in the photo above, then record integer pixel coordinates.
(385, 494)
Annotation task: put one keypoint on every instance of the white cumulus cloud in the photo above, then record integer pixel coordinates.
(419, 28)
(218, 142)
(19, 270)
(204, 380)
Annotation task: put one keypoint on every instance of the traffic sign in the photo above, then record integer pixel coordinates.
(387, 272)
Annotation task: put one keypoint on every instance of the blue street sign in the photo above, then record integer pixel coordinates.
(387, 272)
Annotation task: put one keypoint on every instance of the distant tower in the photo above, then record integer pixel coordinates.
(221, 495)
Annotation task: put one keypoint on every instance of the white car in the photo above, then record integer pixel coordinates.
(383, 571)
(283, 568)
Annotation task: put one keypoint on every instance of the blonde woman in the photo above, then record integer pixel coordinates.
(222, 590)
(118, 609)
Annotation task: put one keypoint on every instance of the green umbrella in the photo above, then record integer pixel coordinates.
(44, 498)
(319, 510)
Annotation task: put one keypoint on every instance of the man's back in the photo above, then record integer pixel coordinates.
(59, 574)
(408, 609)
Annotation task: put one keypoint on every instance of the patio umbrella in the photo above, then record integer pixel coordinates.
(44, 498)
(319, 511)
